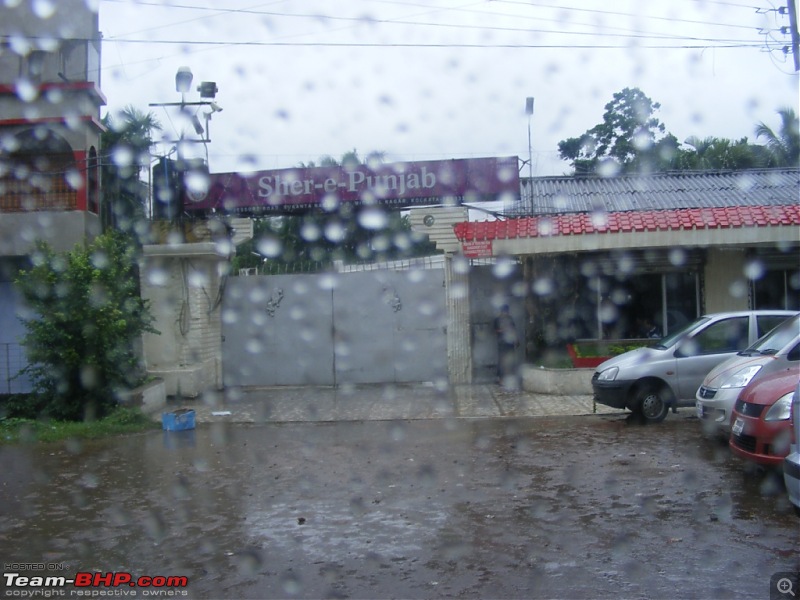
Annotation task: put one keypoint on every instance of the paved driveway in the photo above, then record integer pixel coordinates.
(382, 402)
(513, 507)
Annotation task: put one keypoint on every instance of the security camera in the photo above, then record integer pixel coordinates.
(215, 107)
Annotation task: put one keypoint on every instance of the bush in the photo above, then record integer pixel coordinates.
(22, 406)
(604, 349)
(120, 421)
(85, 316)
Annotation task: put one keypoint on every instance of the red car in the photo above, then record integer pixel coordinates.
(761, 425)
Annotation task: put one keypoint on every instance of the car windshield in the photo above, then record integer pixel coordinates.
(777, 339)
(671, 339)
(312, 298)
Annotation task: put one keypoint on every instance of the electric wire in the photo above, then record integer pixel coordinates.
(451, 45)
(699, 43)
(362, 19)
(482, 27)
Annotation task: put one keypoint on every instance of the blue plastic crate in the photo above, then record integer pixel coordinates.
(179, 420)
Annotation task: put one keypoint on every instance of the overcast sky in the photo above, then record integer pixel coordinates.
(421, 80)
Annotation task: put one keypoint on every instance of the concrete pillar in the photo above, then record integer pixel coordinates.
(459, 335)
(437, 223)
(184, 284)
(726, 287)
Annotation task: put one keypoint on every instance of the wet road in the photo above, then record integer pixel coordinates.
(551, 507)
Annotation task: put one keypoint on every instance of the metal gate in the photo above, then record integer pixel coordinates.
(336, 328)
(12, 353)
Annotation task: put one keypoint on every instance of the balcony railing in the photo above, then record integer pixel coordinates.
(22, 196)
(12, 361)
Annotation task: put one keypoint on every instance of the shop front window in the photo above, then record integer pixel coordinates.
(777, 289)
(646, 305)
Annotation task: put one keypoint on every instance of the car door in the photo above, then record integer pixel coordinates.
(704, 350)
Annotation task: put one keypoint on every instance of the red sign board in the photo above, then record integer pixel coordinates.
(397, 185)
(477, 248)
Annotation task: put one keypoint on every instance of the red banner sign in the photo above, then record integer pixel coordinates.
(477, 248)
(397, 185)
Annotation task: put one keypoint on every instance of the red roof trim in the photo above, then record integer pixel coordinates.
(633, 221)
(52, 120)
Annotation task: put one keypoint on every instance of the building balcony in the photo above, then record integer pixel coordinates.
(22, 196)
(50, 211)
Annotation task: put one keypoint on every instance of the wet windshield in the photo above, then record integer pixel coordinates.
(777, 339)
(673, 338)
(307, 298)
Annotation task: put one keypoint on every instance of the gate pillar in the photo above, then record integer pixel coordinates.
(437, 223)
(459, 336)
(184, 285)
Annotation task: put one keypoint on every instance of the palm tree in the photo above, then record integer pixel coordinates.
(126, 151)
(717, 153)
(783, 147)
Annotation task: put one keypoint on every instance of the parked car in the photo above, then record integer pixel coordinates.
(649, 381)
(791, 464)
(761, 429)
(776, 351)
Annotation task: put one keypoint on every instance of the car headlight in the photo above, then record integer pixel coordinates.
(741, 377)
(608, 374)
(781, 410)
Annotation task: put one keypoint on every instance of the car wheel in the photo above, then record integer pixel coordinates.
(652, 404)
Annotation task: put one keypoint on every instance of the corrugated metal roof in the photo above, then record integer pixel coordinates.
(663, 191)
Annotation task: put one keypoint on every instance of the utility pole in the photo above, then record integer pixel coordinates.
(185, 168)
(529, 112)
(795, 35)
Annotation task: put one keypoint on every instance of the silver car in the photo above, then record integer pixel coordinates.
(649, 381)
(777, 350)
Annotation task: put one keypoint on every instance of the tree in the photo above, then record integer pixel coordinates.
(126, 151)
(314, 240)
(783, 146)
(85, 316)
(629, 140)
(716, 153)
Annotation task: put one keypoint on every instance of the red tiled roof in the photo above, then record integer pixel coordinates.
(630, 221)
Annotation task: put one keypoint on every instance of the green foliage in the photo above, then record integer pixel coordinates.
(783, 146)
(629, 140)
(603, 349)
(126, 145)
(617, 349)
(320, 238)
(718, 153)
(19, 406)
(86, 315)
(121, 420)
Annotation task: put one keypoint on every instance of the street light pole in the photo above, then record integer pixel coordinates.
(529, 112)
(208, 91)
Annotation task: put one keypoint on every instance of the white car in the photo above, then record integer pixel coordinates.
(791, 464)
(716, 396)
(650, 381)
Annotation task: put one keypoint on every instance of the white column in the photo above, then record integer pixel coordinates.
(727, 288)
(183, 285)
(459, 338)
